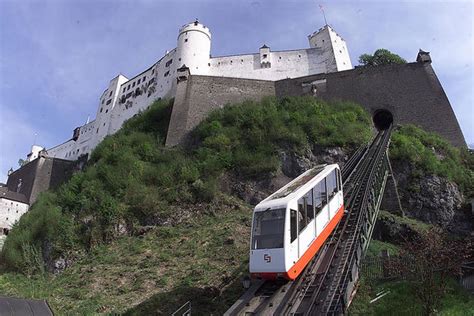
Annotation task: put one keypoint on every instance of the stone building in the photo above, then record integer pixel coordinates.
(124, 97)
(12, 206)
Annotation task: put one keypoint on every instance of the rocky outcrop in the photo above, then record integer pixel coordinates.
(395, 229)
(430, 198)
(292, 165)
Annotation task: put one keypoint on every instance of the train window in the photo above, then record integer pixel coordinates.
(302, 219)
(293, 225)
(339, 180)
(309, 206)
(320, 196)
(331, 184)
(268, 229)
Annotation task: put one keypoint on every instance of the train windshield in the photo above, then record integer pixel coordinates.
(268, 229)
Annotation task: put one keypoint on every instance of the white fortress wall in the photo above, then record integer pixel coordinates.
(10, 212)
(277, 65)
(66, 150)
(125, 97)
(139, 92)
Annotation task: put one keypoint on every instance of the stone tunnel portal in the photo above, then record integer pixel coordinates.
(382, 119)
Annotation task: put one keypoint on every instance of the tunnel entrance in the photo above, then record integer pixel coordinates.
(382, 119)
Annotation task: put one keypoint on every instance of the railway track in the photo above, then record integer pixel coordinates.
(325, 287)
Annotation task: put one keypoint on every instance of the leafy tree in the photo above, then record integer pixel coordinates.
(381, 56)
(429, 262)
(21, 162)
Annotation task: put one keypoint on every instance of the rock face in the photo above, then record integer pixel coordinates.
(429, 198)
(292, 165)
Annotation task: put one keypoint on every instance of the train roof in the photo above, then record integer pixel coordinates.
(298, 186)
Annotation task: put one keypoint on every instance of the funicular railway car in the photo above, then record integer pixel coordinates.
(290, 226)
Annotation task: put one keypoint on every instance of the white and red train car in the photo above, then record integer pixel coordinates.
(290, 226)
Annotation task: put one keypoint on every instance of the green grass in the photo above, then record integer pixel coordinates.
(132, 180)
(402, 301)
(412, 223)
(429, 153)
(377, 246)
(206, 254)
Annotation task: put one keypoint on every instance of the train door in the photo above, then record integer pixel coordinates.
(334, 192)
(294, 251)
(321, 206)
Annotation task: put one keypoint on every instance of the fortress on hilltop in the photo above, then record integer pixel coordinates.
(199, 83)
(125, 97)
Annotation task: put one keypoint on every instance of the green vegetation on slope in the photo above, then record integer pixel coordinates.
(401, 299)
(133, 181)
(200, 259)
(247, 138)
(431, 154)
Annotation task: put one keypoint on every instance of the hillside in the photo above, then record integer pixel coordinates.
(146, 228)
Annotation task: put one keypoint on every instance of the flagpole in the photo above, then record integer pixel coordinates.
(324, 14)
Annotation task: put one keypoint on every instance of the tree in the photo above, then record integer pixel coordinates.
(381, 56)
(22, 162)
(428, 263)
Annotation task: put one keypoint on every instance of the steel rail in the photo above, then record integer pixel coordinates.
(310, 293)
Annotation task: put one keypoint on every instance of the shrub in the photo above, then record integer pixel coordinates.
(431, 154)
(131, 179)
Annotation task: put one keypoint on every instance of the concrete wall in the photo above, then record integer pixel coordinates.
(40, 175)
(196, 96)
(411, 92)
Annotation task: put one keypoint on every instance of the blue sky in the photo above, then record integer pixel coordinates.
(56, 57)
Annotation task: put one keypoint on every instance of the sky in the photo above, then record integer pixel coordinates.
(57, 57)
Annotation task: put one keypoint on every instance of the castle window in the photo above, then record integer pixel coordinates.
(144, 78)
(97, 131)
(279, 57)
(299, 56)
(139, 80)
(133, 85)
(340, 51)
(264, 56)
(241, 60)
(169, 62)
(108, 102)
(185, 40)
(110, 93)
(179, 59)
(123, 89)
(104, 124)
(101, 109)
(107, 111)
(167, 73)
(152, 71)
(102, 101)
(209, 64)
(128, 88)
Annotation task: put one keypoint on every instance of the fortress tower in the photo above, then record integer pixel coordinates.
(333, 47)
(194, 48)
